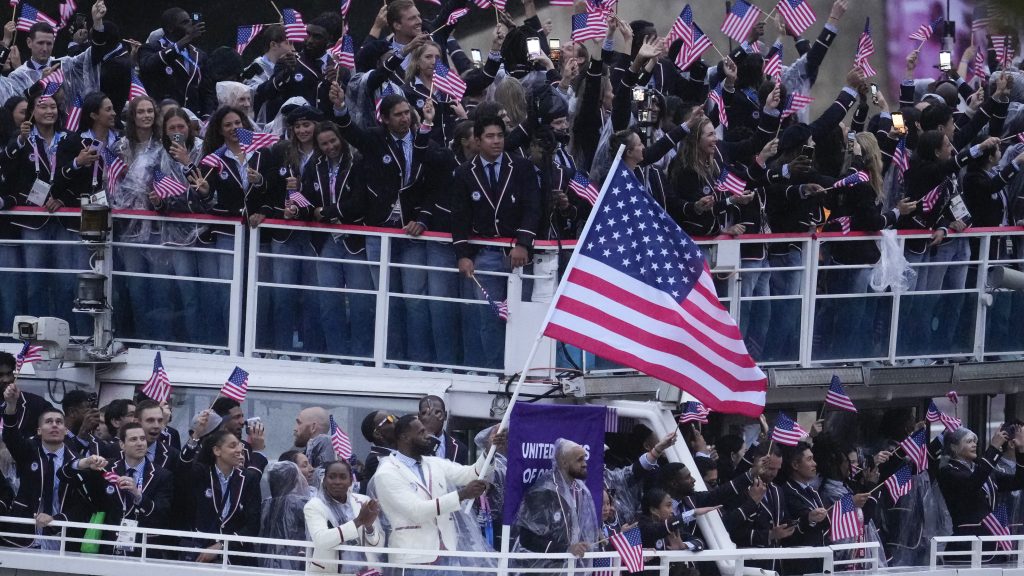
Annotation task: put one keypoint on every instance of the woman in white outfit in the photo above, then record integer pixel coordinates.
(337, 516)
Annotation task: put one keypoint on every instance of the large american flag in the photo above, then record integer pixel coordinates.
(136, 89)
(245, 35)
(339, 441)
(74, 114)
(798, 14)
(740, 19)
(237, 385)
(630, 548)
(583, 188)
(914, 447)
(700, 44)
(637, 292)
(901, 158)
(588, 26)
(294, 27)
(28, 355)
(694, 412)
(900, 483)
(167, 186)
(865, 48)
(344, 52)
(787, 432)
(836, 396)
(925, 31)
(31, 15)
(844, 519)
(158, 387)
(998, 524)
(255, 140)
(448, 82)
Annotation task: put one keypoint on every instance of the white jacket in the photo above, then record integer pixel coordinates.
(420, 513)
(326, 538)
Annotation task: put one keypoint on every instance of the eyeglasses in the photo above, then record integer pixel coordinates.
(389, 418)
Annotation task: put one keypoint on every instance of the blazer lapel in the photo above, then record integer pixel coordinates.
(504, 177)
(480, 175)
(236, 483)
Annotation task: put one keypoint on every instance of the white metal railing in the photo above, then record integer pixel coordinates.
(65, 559)
(976, 551)
(798, 322)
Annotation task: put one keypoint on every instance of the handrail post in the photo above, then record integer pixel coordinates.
(503, 558)
(828, 562)
(981, 310)
(235, 304)
(513, 297)
(251, 291)
(976, 546)
(224, 554)
(809, 286)
(380, 329)
(894, 315)
(145, 546)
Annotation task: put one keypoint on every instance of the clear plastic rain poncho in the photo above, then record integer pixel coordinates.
(832, 491)
(81, 76)
(339, 514)
(921, 515)
(626, 488)
(488, 508)
(285, 493)
(132, 192)
(559, 510)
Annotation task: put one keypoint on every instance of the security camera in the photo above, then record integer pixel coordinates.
(52, 334)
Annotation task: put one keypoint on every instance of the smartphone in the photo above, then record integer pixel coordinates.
(807, 151)
(851, 137)
(250, 422)
(897, 123)
(533, 47)
(197, 17)
(90, 143)
(639, 94)
(945, 61)
(178, 139)
(478, 59)
(93, 400)
(556, 49)
(874, 89)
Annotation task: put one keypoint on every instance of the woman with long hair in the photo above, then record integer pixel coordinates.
(333, 185)
(150, 308)
(419, 88)
(237, 181)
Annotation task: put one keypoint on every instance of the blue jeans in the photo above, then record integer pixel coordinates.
(348, 320)
(754, 316)
(914, 331)
(12, 291)
(947, 337)
(785, 314)
(408, 318)
(148, 299)
(54, 294)
(444, 316)
(293, 309)
(192, 328)
(217, 296)
(845, 326)
(489, 328)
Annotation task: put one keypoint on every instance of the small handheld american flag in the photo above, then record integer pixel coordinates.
(167, 186)
(630, 548)
(74, 114)
(998, 524)
(953, 397)
(787, 432)
(384, 93)
(296, 198)
(448, 82)
(250, 140)
(583, 188)
(740, 19)
(773, 65)
(53, 82)
(901, 158)
(914, 447)
(137, 89)
(845, 522)
(699, 45)
(588, 26)
(340, 441)
(237, 385)
(798, 15)
(456, 15)
(730, 182)
(500, 309)
(213, 160)
(344, 52)
(865, 48)
(836, 396)
(31, 15)
(158, 387)
(116, 166)
(935, 415)
(294, 27)
(345, 5)
(925, 31)
(929, 200)
(245, 35)
(694, 412)
(681, 28)
(853, 179)
(719, 101)
(110, 476)
(29, 354)
(845, 224)
(795, 103)
(900, 483)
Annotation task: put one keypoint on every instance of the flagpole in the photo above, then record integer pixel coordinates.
(281, 16)
(503, 425)
(770, 14)
(822, 413)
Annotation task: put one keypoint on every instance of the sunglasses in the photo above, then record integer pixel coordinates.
(389, 418)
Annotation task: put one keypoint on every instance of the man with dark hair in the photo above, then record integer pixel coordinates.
(378, 428)
(143, 492)
(396, 161)
(434, 415)
(82, 418)
(150, 416)
(307, 74)
(28, 406)
(804, 505)
(279, 49)
(495, 196)
(172, 67)
(118, 412)
(82, 71)
(233, 420)
(60, 493)
(415, 492)
(765, 522)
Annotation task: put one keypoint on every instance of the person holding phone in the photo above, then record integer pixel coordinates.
(172, 67)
